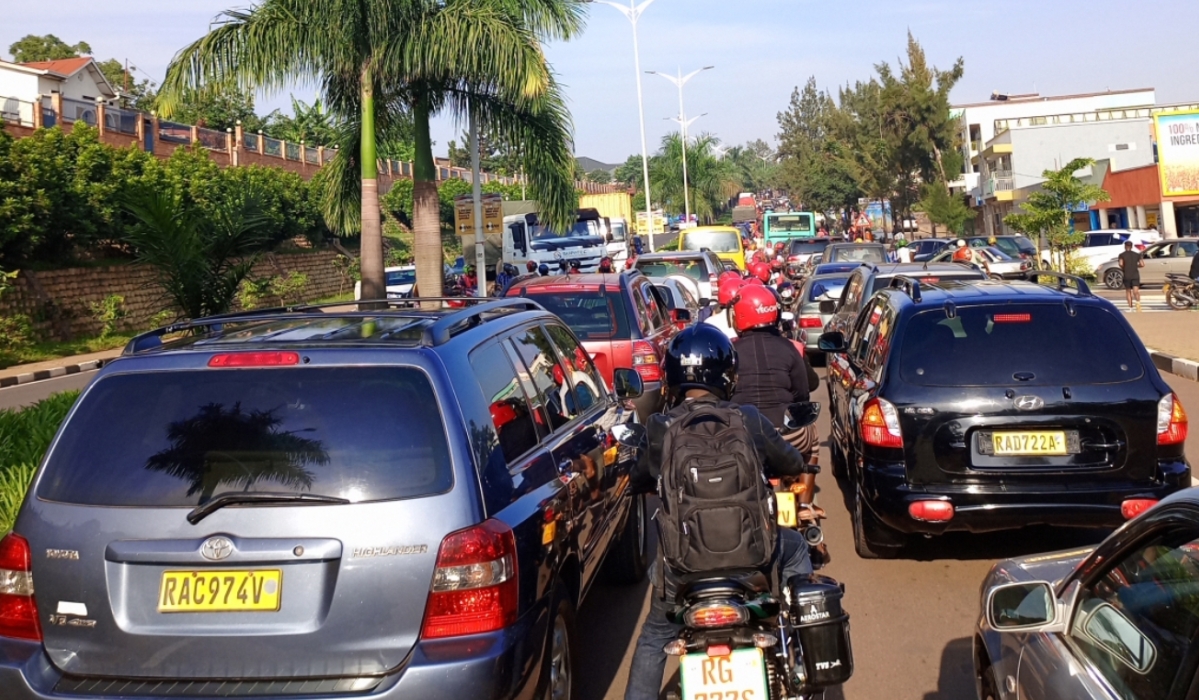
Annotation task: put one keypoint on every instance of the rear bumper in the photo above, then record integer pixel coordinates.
(504, 665)
(887, 494)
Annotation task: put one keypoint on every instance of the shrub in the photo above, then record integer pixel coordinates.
(108, 313)
(25, 435)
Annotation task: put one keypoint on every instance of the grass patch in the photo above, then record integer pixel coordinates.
(25, 435)
(52, 350)
(335, 299)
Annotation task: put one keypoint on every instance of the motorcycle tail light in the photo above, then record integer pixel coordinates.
(715, 615)
(719, 650)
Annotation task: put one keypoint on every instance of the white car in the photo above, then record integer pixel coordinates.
(400, 281)
(1101, 246)
(1000, 264)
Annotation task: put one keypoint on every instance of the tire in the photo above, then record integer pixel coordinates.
(871, 538)
(629, 559)
(1114, 279)
(988, 687)
(837, 459)
(997, 278)
(1176, 301)
(558, 669)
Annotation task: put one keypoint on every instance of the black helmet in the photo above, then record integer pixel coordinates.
(701, 357)
(509, 269)
(543, 269)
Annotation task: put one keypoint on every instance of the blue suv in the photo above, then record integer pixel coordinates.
(394, 502)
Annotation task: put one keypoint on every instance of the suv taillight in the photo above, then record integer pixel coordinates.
(646, 362)
(880, 424)
(18, 609)
(474, 585)
(1171, 421)
(810, 322)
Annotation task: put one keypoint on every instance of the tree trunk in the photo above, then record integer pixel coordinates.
(373, 283)
(426, 207)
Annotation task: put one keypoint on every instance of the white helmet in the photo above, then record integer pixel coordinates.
(960, 243)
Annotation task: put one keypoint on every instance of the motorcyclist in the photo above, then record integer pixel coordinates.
(543, 270)
(701, 367)
(761, 270)
(605, 265)
(505, 276)
(777, 274)
(726, 293)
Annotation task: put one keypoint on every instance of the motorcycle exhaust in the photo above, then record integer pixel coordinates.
(814, 535)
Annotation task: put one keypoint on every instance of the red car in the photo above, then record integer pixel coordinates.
(621, 318)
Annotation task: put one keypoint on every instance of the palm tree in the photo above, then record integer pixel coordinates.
(378, 61)
(712, 180)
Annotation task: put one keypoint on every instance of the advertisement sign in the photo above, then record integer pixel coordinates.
(659, 222)
(1178, 152)
(464, 214)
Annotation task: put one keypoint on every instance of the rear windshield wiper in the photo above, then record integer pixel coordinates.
(203, 511)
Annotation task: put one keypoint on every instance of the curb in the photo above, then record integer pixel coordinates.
(1188, 369)
(52, 373)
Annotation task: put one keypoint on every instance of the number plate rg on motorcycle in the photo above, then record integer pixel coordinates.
(738, 676)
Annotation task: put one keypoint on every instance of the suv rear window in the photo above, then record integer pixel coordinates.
(863, 253)
(801, 247)
(182, 438)
(693, 268)
(988, 345)
(715, 241)
(591, 314)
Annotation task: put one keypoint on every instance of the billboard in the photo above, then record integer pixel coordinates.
(1178, 152)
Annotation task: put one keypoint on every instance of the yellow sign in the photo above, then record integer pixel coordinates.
(220, 591)
(1178, 151)
(1031, 443)
(464, 214)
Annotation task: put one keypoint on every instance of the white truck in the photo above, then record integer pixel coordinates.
(525, 238)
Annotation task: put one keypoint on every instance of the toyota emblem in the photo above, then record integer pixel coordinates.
(217, 548)
(1029, 403)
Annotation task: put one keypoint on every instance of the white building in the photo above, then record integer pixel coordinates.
(78, 81)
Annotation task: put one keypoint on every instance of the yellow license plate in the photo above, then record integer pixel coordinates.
(738, 676)
(220, 591)
(786, 503)
(1030, 443)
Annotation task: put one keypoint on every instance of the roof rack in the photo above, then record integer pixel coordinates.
(1080, 287)
(911, 285)
(445, 323)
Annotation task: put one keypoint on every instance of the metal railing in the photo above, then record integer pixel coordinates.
(293, 151)
(78, 111)
(172, 132)
(249, 141)
(17, 111)
(272, 147)
(123, 121)
(211, 139)
(311, 155)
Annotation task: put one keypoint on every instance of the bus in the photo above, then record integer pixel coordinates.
(783, 227)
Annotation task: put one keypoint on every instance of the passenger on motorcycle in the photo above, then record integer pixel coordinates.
(761, 270)
(701, 369)
(777, 274)
(726, 292)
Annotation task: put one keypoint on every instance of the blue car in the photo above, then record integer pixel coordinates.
(401, 503)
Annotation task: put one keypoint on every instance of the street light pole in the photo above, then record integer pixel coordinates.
(679, 81)
(633, 13)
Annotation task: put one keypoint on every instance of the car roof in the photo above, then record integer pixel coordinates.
(989, 291)
(918, 268)
(706, 229)
(583, 279)
(673, 255)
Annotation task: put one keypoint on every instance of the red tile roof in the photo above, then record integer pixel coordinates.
(65, 66)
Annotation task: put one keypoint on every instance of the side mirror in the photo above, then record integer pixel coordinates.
(832, 342)
(801, 414)
(680, 315)
(627, 383)
(828, 306)
(1023, 607)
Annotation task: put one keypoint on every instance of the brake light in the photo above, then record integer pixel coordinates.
(1133, 507)
(1012, 318)
(931, 511)
(715, 615)
(810, 322)
(474, 585)
(719, 650)
(1171, 421)
(18, 609)
(880, 424)
(646, 362)
(255, 359)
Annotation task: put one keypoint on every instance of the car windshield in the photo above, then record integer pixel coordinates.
(620, 231)
(800, 247)
(989, 345)
(790, 223)
(591, 314)
(831, 286)
(715, 241)
(581, 229)
(400, 278)
(182, 438)
(858, 253)
(665, 268)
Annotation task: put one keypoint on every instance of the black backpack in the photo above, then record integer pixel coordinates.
(717, 506)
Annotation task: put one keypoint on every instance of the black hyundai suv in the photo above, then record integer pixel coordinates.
(995, 405)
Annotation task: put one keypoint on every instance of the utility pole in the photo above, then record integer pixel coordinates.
(477, 194)
(679, 81)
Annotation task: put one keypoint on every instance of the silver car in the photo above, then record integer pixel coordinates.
(1117, 621)
(999, 264)
(1171, 257)
(817, 304)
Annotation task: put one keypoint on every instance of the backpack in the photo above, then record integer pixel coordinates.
(717, 506)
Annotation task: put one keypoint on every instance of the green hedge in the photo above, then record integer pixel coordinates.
(25, 435)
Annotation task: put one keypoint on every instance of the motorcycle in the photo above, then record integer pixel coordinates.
(742, 641)
(1181, 292)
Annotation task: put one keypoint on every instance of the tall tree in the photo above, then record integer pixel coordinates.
(1047, 212)
(31, 48)
(712, 180)
(311, 124)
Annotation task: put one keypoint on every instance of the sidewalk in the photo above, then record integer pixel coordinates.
(37, 371)
(1173, 340)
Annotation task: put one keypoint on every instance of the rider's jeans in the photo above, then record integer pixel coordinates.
(649, 661)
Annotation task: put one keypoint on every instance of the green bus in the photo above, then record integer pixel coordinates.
(783, 227)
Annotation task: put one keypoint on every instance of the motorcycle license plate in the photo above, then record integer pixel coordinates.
(786, 504)
(739, 676)
(1030, 443)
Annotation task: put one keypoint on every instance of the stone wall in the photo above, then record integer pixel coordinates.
(59, 301)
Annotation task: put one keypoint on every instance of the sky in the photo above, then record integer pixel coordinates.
(761, 50)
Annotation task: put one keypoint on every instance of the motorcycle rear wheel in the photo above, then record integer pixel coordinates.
(1176, 301)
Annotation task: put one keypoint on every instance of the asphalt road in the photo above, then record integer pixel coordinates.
(25, 394)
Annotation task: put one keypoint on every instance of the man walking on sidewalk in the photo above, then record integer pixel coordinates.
(1131, 264)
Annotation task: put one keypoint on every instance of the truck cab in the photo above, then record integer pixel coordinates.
(526, 238)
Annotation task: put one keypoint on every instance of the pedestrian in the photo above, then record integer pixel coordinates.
(902, 252)
(1194, 273)
(1131, 263)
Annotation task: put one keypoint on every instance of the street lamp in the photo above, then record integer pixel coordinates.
(679, 81)
(684, 125)
(633, 13)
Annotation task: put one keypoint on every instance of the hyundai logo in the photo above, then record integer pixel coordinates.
(1029, 403)
(216, 548)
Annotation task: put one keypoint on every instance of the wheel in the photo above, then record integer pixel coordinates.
(837, 459)
(988, 687)
(1114, 279)
(997, 278)
(1176, 301)
(558, 672)
(871, 538)
(629, 558)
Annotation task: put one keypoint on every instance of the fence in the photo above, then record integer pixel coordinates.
(17, 111)
(121, 120)
(78, 111)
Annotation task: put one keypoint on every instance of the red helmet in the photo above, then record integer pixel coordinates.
(779, 247)
(758, 256)
(756, 307)
(502, 414)
(776, 264)
(754, 281)
(761, 270)
(727, 291)
(730, 275)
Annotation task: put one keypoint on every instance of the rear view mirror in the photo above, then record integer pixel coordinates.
(832, 342)
(828, 306)
(1021, 607)
(627, 383)
(801, 414)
